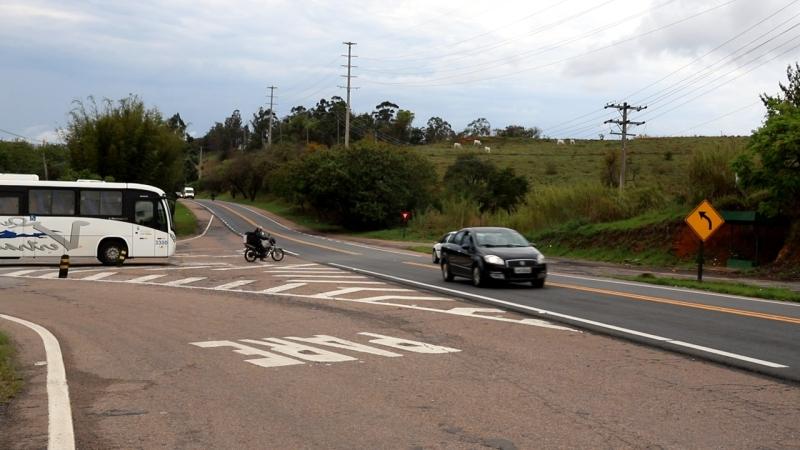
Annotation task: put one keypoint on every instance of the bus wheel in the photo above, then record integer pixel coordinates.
(110, 251)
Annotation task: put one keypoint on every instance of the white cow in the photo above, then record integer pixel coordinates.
(456, 145)
(476, 143)
(487, 149)
(572, 141)
(560, 142)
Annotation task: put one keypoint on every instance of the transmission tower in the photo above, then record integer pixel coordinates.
(624, 107)
(348, 76)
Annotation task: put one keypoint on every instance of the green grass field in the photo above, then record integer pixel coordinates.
(10, 383)
(724, 287)
(185, 221)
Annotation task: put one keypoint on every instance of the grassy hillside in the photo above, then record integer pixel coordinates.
(655, 162)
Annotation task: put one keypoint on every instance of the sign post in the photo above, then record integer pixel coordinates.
(405, 215)
(704, 220)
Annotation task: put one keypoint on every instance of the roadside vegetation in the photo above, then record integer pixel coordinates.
(185, 221)
(724, 287)
(10, 382)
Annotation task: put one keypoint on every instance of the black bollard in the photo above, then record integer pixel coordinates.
(63, 266)
(122, 255)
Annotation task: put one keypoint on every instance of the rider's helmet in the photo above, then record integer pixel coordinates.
(261, 233)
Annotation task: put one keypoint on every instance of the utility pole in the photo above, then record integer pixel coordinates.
(44, 159)
(347, 116)
(200, 165)
(624, 107)
(271, 97)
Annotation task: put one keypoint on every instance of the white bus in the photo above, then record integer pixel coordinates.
(83, 218)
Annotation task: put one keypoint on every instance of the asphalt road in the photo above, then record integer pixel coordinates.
(752, 334)
(208, 351)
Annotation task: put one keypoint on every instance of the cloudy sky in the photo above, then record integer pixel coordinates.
(699, 65)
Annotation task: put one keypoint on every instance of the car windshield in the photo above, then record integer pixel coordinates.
(500, 238)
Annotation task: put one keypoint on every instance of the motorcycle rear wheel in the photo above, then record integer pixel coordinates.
(250, 255)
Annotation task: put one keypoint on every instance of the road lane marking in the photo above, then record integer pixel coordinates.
(143, 279)
(183, 281)
(350, 290)
(99, 276)
(308, 275)
(283, 236)
(545, 312)
(234, 284)
(252, 266)
(403, 297)
(335, 281)
(162, 269)
(729, 355)
(648, 298)
(427, 266)
(59, 422)
(20, 273)
(282, 288)
(683, 303)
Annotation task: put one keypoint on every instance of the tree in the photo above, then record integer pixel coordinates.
(773, 162)
(483, 182)
(125, 141)
(518, 131)
(363, 187)
(438, 130)
(479, 127)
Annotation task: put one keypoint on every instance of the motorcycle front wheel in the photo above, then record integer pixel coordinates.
(277, 254)
(250, 255)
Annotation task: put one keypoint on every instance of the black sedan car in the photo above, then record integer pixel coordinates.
(485, 254)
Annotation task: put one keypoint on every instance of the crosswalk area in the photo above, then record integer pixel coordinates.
(289, 279)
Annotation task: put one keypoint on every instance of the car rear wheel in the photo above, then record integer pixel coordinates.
(447, 275)
(477, 277)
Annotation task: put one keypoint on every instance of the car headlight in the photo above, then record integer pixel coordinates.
(493, 259)
(540, 259)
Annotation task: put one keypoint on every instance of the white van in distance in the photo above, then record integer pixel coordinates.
(188, 192)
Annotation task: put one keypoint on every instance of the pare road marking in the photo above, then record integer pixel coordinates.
(292, 351)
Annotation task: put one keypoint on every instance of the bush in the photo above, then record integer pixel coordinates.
(711, 174)
(480, 180)
(363, 187)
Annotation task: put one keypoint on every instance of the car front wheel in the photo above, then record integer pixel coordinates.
(477, 277)
(538, 283)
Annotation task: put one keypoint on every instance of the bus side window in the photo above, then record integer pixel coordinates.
(9, 204)
(144, 213)
(49, 202)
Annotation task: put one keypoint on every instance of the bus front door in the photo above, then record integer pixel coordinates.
(144, 239)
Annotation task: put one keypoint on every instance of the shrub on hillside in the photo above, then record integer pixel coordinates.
(711, 175)
(480, 180)
(363, 187)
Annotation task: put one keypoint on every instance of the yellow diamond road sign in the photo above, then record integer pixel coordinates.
(704, 220)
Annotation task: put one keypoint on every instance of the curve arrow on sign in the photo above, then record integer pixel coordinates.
(704, 216)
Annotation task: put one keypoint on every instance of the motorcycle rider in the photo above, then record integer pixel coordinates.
(255, 239)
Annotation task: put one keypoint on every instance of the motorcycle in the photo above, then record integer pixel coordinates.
(251, 252)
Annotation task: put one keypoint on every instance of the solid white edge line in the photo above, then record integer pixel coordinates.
(573, 318)
(674, 289)
(61, 434)
(202, 234)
